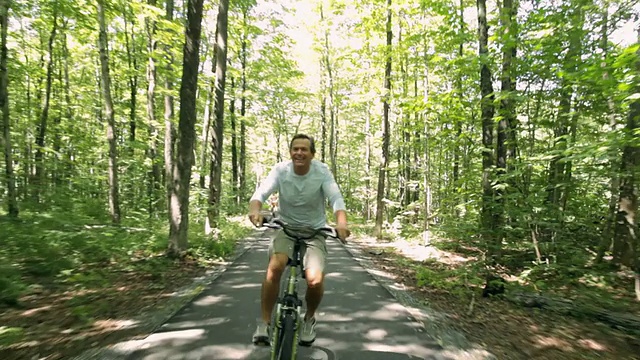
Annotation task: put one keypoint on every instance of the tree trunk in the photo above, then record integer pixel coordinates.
(186, 127)
(404, 151)
(133, 74)
(114, 201)
(367, 171)
(23, 191)
(380, 205)
(215, 182)
(234, 142)
(415, 145)
(507, 116)
(331, 102)
(426, 156)
(614, 183)
(243, 110)
(558, 181)
(56, 124)
(170, 168)
(44, 114)
(323, 119)
(458, 120)
(206, 128)
(154, 176)
(12, 199)
(426, 183)
(626, 249)
(487, 110)
(67, 96)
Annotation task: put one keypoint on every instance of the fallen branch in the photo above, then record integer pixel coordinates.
(620, 321)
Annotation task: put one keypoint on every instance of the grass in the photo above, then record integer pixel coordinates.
(67, 249)
(69, 278)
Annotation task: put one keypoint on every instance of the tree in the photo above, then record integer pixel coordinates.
(487, 111)
(626, 245)
(215, 182)
(506, 124)
(155, 173)
(170, 169)
(114, 201)
(178, 242)
(12, 203)
(44, 113)
(384, 158)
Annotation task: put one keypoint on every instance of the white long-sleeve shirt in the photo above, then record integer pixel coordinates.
(301, 198)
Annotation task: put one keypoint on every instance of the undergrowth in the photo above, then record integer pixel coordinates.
(62, 248)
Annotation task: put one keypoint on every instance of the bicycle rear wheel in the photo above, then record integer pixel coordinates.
(288, 343)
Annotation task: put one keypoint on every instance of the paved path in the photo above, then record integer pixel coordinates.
(357, 320)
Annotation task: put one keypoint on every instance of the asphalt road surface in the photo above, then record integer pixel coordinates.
(357, 320)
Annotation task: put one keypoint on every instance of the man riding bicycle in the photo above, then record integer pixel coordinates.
(303, 184)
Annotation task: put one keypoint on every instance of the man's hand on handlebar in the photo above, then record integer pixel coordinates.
(343, 233)
(256, 218)
(255, 215)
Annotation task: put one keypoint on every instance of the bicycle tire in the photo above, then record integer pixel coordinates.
(288, 342)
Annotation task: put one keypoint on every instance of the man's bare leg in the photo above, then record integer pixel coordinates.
(315, 291)
(271, 284)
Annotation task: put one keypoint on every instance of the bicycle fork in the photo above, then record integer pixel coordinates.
(289, 302)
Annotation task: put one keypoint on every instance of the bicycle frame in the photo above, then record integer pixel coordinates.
(288, 302)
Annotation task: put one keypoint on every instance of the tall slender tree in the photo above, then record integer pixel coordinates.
(44, 112)
(487, 110)
(384, 157)
(105, 81)
(215, 184)
(155, 173)
(170, 170)
(626, 244)
(178, 242)
(12, 203)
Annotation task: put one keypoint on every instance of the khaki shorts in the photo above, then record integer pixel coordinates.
(313, 252)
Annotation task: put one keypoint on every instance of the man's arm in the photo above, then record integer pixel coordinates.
(332, 192)
(266, 188)
(341, 218)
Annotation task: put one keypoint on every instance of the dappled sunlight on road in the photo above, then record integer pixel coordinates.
(244, 286)
(211, 300)
(357, 320)
(206, 322)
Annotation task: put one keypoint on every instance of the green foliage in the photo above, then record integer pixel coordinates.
(434, 115)
(10, 335)
(10, 285)
(71, 248)
(460, 281)
(221, 245)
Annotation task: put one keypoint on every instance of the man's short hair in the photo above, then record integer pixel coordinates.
(304, 136)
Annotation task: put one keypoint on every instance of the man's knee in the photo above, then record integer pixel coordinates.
(277, 263)
(314, 277)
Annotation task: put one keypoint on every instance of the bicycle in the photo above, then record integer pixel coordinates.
(285, 329)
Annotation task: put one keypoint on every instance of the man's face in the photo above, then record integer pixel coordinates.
(301, 152)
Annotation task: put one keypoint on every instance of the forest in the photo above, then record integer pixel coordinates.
(505, 132)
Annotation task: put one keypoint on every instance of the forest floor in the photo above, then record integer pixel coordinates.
(57, 321)
(62, 317)
(70, 285)
(507, 330)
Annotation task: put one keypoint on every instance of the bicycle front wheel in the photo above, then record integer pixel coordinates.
(289, 339)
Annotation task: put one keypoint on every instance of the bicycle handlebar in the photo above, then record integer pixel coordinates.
(275, 223)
